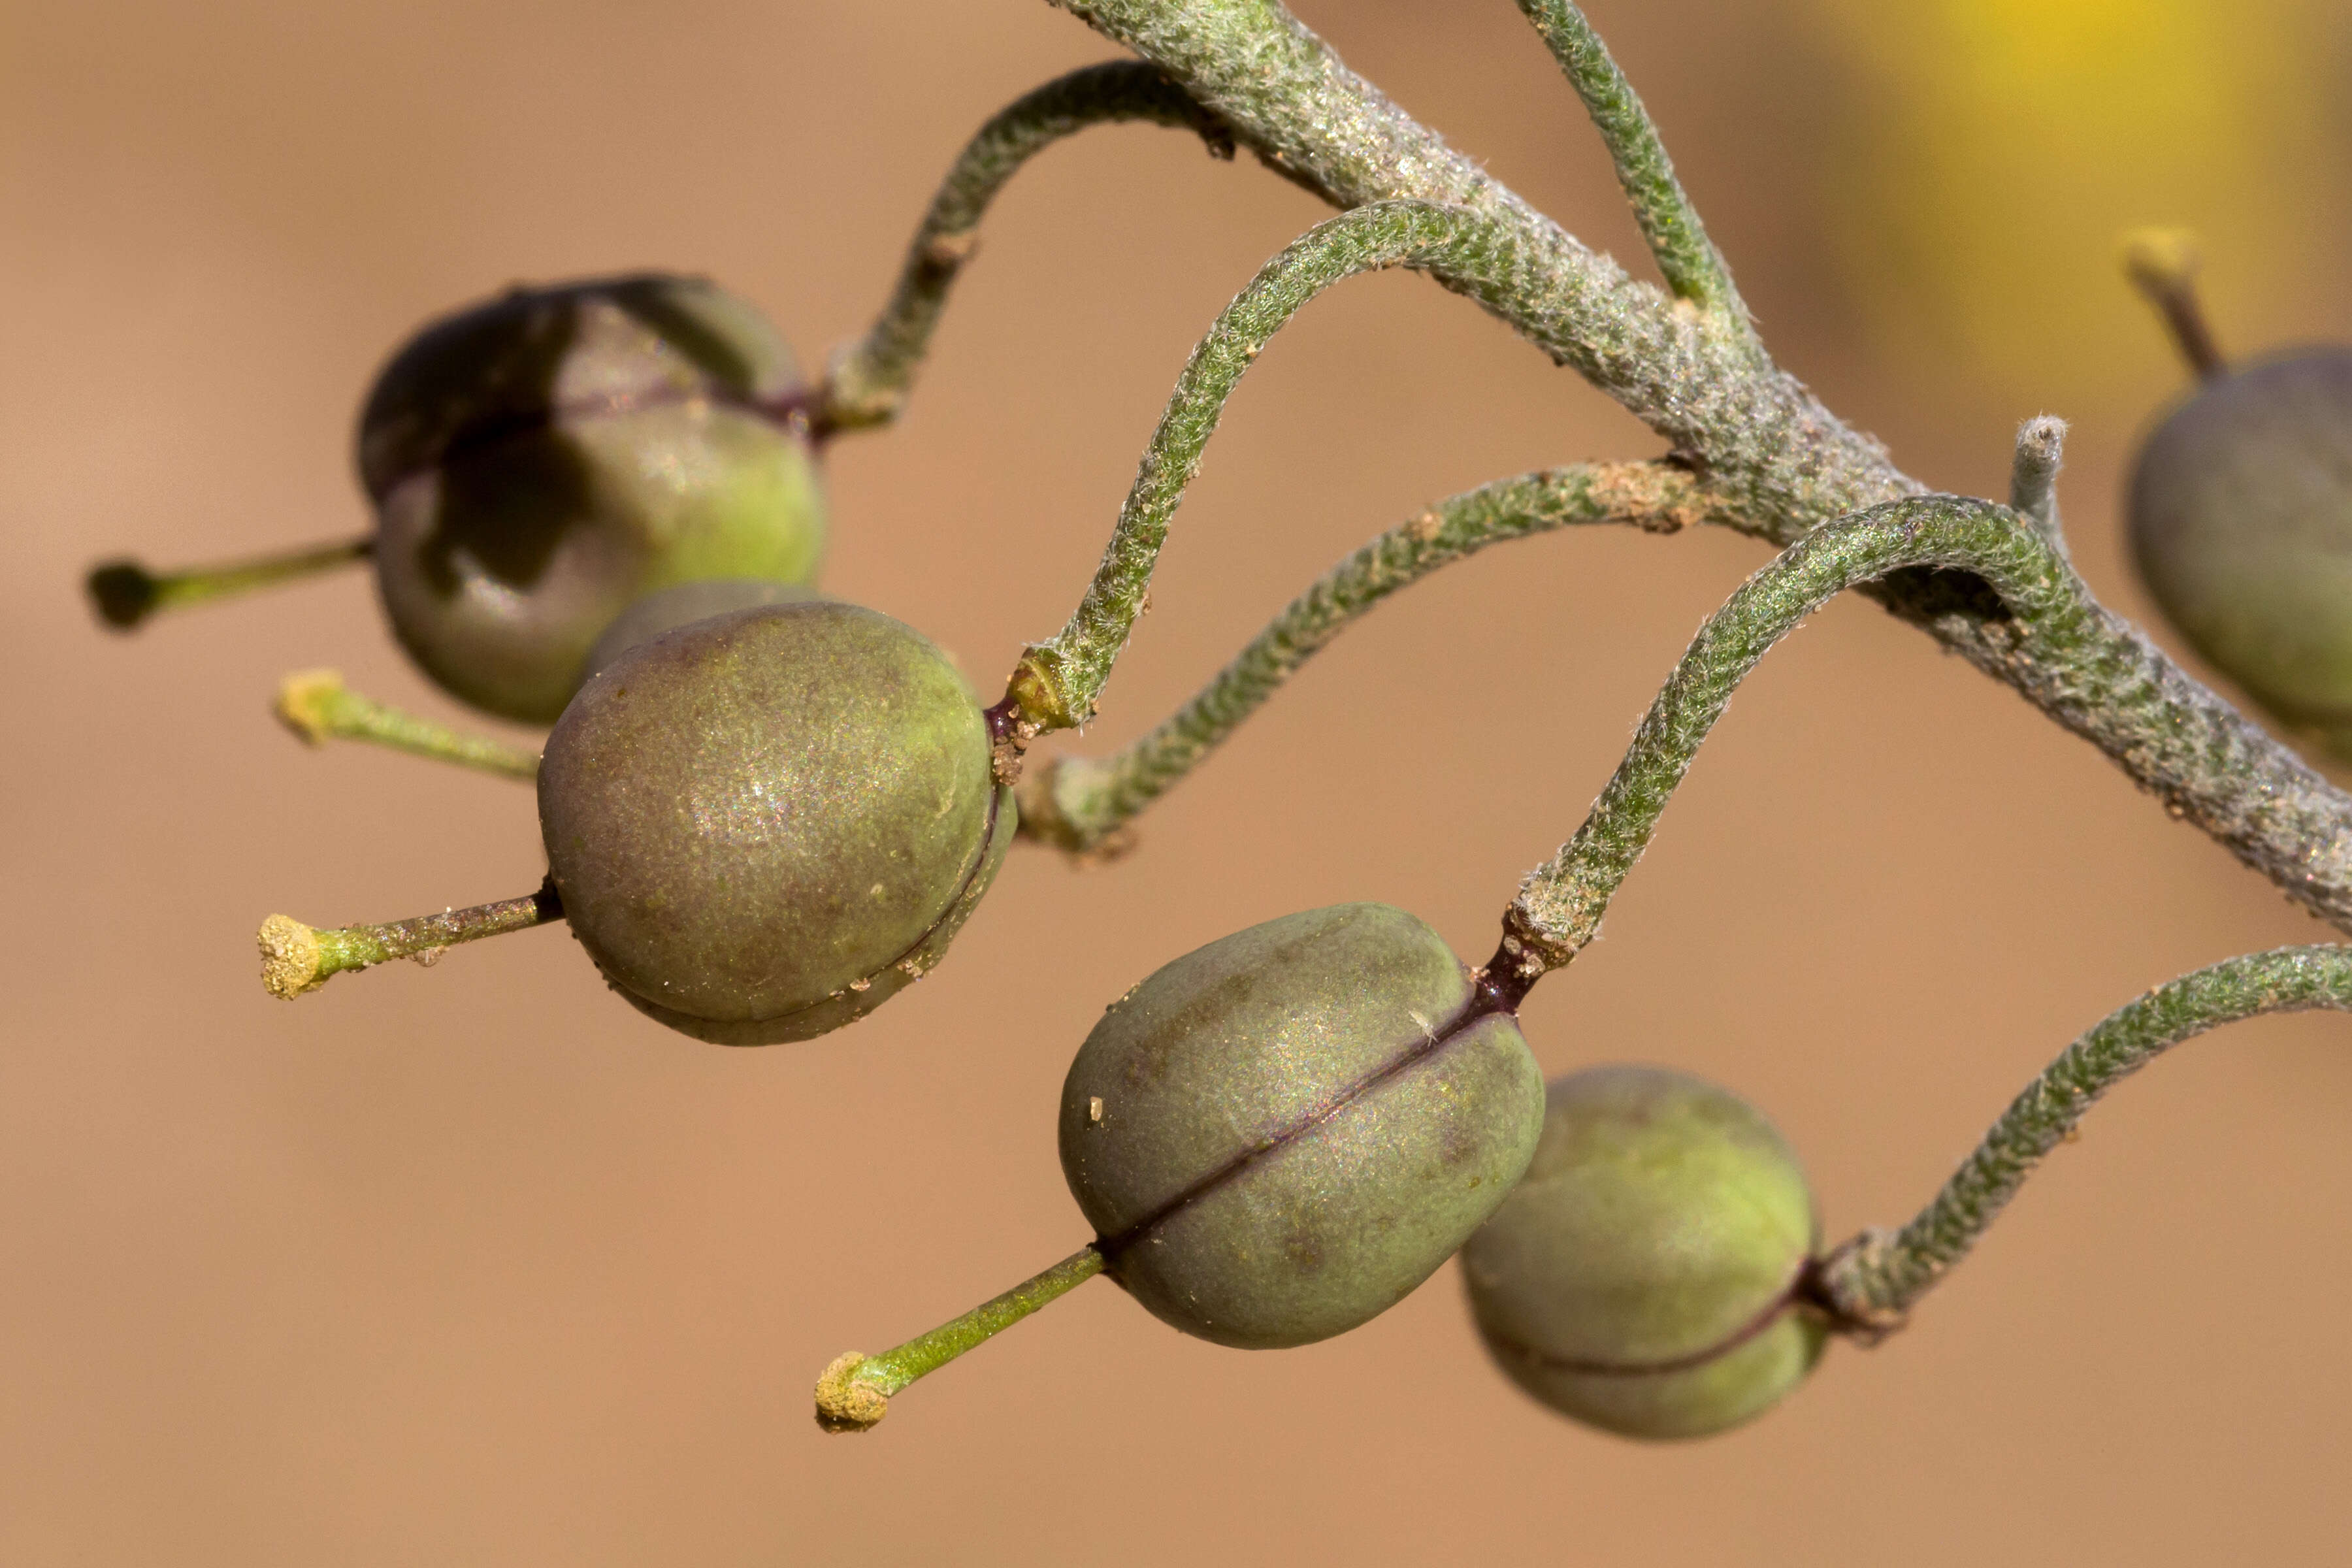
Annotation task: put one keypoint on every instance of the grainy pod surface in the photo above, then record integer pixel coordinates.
(1279, 1135)
(683, 605)
(1640, 1277)
(540, 461)
(2241, 519)
(764, 823)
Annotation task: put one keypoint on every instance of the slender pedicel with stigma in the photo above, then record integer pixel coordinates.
(126, 592)
(1275, 1138)
(318, 707)
(855, 1391)
(2163, 263)
(296, 958)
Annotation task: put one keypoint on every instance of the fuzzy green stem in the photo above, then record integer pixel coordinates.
(869, 382)
(1873, 1281)
(1559, 906)
(1693, 268)
(854, 1393)
(296, 958)
(1080, 803)
(2034, 476)
(2162, 262)
(1057, 682)
(318, 707)
(1779, 463)
(125, 593)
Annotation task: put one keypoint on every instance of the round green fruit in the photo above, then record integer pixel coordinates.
(539, 462)
(763, 824)
(2241, 523)
(1278, 1136)
(1644, 1275)
(684, 605)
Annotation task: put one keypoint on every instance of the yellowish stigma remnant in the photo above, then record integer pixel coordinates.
(290, 957)
(2160, 258)
(842, 1402)
(304, 701)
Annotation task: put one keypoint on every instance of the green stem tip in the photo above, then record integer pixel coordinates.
(125, 593)
(318, 707)
(296, 958)
(854, 1393)
(2034, 476)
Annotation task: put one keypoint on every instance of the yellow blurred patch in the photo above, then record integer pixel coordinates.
(1999, 147)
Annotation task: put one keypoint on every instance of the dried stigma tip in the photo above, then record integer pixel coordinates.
(843, 1401)
(296, 958)
(124, 593)
(305, 704)
(2160, 260)
(854, 1394)
(290, 957)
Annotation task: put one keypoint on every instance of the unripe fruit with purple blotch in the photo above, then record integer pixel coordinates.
(1279, 1135)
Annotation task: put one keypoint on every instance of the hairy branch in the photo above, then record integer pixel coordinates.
(869, 382)
(1078, 803)
(1873, 1281)
(1782, 464)
(1056, 683)
(1693, 269)
(1558, 907)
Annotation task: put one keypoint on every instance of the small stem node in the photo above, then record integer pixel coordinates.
(2034, 476)
(1035, 699)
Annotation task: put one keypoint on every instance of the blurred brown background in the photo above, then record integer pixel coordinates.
(478, 1267)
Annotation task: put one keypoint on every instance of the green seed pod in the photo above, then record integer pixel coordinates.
(1643, 1277)
(763, 824)
(682, 607)
(2241, 522)
(1278, 1136)
(540, 461)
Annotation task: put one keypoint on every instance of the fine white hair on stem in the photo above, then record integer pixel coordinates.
(2034, 476)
